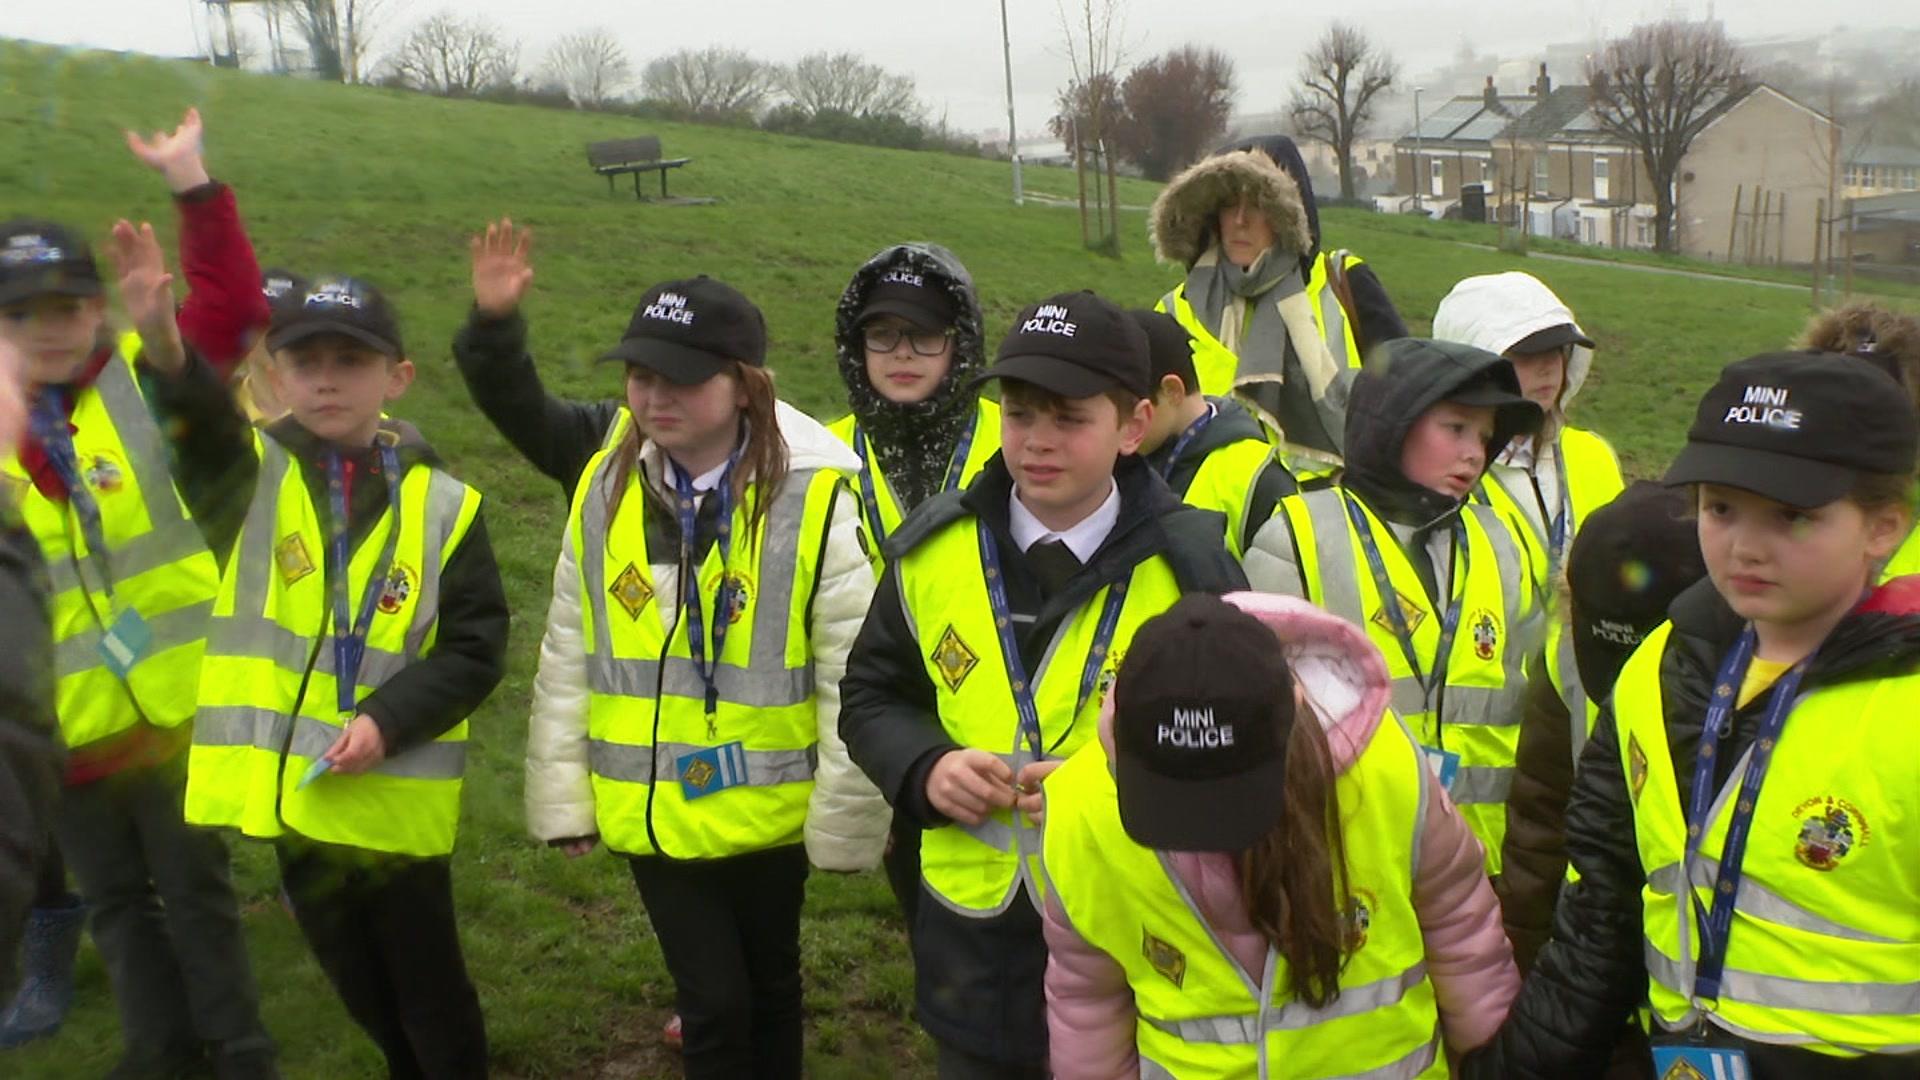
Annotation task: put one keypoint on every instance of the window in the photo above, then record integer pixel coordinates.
(1486, 171)
(1910, 179)
(1600, 185)
(1856, 176)
(1437, 169)
(1541, 164)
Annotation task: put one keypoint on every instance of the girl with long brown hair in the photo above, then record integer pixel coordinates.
(1254, 871)
(685, 712)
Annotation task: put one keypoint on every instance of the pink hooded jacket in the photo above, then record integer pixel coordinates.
(1090, 1011)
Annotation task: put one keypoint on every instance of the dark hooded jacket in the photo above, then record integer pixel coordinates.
(1231, 424)
(29, 744)
(556, 436)
(979, 981)
(913, 442)
(1592, 975)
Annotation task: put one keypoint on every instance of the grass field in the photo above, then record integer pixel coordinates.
(390, 185)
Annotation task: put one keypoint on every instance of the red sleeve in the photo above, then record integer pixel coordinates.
(224, 309)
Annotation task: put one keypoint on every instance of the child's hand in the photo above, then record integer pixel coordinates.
(360, 747)
(13, 395)
(1031, 802)
(146, 290)
(967, 785)
(501, 272)
(175, 156)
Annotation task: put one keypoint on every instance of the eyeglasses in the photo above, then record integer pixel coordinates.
(924, 342)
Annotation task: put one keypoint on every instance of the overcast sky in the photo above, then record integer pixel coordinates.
(953, 47)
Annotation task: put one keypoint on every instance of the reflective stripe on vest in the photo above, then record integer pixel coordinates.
(1825, 947)
(1593, 478)
(985, 443)
(159, 561)
(269, 705)
(1225, 481)
(1217, 366)
(646, 710)
(1200, 1013)
(1564, 674)
(976, 872)
(1500, 624)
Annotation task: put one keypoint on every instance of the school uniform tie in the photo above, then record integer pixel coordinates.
(1053, 564)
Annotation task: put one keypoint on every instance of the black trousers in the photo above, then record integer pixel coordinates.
(382, 928)
(730, 931)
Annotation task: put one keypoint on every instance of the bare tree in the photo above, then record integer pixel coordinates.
(1093, 31)
(844, 82)
(1342, 75)
(1656, 89)
(457, 57)
(1173, 107)
(709, 82)
(589, 65)
(360, 22)
(339, 33)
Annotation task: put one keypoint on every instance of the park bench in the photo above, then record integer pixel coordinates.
(642, 155)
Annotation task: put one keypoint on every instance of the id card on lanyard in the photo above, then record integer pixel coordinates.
(126, 637)
(713, 769)
(869, 496)
(1445, 763)
(1023, 700)
(1715, 921)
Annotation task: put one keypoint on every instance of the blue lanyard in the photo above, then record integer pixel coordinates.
(690, 577)
(956, 467)
(1557, 529)
(1390, 603)
(1187, 436)
(1716, 924)
(350, 638)
(49, 429)
(1010, 645)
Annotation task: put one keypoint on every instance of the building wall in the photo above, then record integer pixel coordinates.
(1768, 142)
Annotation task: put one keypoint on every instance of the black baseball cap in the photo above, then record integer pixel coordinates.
(919, 298)
(1553, 337)
(340, 305)
(1169, 348)
(690, 330)
(1202, 711)
(276, 282)
(1076, 345)
(1798, 428)
(1629, 560)
(43, 258)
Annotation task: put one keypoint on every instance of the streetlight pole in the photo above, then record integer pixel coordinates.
(1013, 132)
(1419, 180)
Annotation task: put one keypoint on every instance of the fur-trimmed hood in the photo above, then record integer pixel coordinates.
(1182, 223)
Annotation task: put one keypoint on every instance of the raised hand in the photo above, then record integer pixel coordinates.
(13, 394)
(146, 291)
(175, 155)
(501, 270)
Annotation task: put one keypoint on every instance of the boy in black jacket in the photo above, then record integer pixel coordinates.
(1002, 613)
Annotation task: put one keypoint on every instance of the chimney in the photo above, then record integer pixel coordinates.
(1490, 95)
(1545, 84)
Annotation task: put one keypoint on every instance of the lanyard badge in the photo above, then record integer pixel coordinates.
(350, 631)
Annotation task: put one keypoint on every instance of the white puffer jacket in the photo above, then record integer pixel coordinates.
(847, 819)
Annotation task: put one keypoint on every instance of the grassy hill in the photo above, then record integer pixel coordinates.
(390, 185)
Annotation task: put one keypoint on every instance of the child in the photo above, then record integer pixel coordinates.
(1550, 481)
(1254, 845)
(1891, 341)
(360, 621)
(1045, 564)
(1275, 317)
(1771, 934)
(1209, 450)
(711, 582)
(1441, 584)
(1632, 557)
(908, 338)
(131, 583)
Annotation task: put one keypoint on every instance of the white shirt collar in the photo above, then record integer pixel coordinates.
(706, 481)
(1082, 539)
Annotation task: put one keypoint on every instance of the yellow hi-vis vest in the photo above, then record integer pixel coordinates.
(1593, 480)
(158, 560)
(617, 431)
(1825, 947)
(1225, 481)
(977, 871)
(1476, 714)
(646, 699)
(1906, 559)
(1564, 674)
(269, 704)
(1217, 366)
(886, 505)
(1200, 1014)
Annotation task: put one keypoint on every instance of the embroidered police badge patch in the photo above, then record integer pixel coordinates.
(290, 555)
(1486, 634)
(1359, 918)
(104, 474)
(398, 588)
(1165, 958)
(1830, 828)
(632, 591)
(739, 593)
(954, 660)
(1412, 612)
